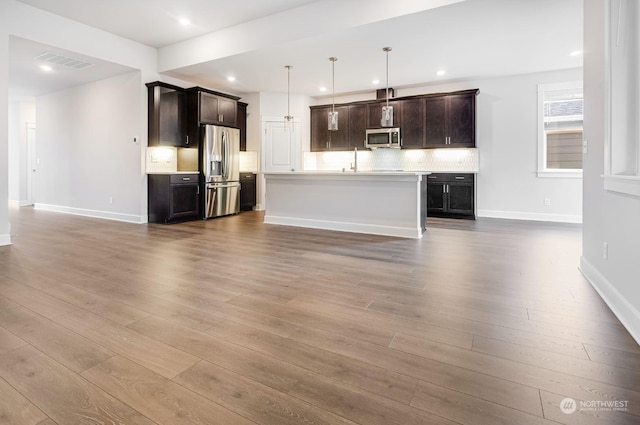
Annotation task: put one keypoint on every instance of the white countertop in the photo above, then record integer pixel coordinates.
(347, 173)
(173, 172)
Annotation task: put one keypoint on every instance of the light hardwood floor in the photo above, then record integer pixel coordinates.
(231, 321)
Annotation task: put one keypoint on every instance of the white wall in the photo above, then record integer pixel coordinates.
(608, 216)
(508, 185)
(21, 20)
(5, 238)
(88, 162)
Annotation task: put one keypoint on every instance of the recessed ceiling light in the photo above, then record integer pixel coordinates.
(576, 53)
(441, 72)
(46, 68)
(322, 88)
(375, 82)
(184, 21)
(231, 78)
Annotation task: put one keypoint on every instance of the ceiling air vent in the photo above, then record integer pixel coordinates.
(63, 60)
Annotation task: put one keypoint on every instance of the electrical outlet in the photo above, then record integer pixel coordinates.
(111, 199)
(547, 202)
(585, 147)
(605, 250)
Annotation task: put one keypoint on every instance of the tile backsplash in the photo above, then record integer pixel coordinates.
(162, 160)
(437, 160)
(249, 161)
(166, 159)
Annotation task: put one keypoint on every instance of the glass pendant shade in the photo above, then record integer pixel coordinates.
(333, 121)
(387, 116)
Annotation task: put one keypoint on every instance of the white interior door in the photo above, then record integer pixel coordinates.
(280, 149)
(281, 142)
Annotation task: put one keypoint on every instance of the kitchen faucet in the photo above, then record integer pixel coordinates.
(354, 165)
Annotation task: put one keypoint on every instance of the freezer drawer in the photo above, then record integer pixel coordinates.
(222, 199)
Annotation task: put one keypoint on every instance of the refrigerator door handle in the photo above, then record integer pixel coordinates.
(227, 153)
(219, 185)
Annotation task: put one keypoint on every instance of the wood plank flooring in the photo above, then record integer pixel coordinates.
(230, 321)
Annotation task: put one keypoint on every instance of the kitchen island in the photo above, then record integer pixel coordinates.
(381, 203)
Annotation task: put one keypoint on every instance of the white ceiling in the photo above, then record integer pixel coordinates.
(156, 22)
(26, 79)
(470, 39)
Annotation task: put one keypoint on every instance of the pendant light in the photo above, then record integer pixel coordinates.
(333, 115)
(288, 119)
(387, 111)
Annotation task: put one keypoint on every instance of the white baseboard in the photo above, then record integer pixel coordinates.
(340, 226)
(13, 203)
(5, 240)
(128, 218)
(628, 315)
(516, 215)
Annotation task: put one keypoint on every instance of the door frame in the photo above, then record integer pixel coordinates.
(31, 163)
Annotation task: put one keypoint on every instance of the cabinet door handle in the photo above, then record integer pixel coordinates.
(186, 179)
(220, 117)
(187, 141)
(198, 190)
(459, 177)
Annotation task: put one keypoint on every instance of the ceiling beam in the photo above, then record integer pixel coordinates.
(314, 19)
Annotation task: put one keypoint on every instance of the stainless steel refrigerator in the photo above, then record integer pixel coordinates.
(221, 169)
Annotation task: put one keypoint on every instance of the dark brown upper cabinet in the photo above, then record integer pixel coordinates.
(357, 126)
(242, 124)
(215, 109)
(439, 120)
(451, 121)
(412, 123)
(167, 120)
(321, 138)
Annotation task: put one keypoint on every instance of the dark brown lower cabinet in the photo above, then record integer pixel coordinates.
(173, 198)
(451, 195)
(247, 191)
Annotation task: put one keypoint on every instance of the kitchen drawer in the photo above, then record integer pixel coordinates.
(247, 177)
(451, 177)
(184, 178)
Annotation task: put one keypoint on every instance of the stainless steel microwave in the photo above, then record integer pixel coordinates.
(383, 138)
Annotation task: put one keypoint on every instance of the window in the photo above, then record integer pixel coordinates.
(560, 109)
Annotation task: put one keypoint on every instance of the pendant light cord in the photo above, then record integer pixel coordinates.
(387, 50)
(288, 91)
(288, 117)
(333, 82)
